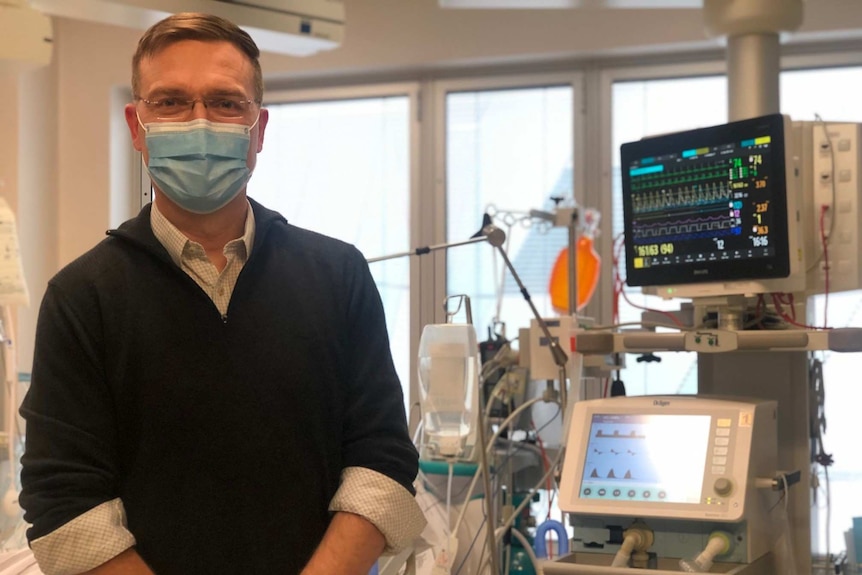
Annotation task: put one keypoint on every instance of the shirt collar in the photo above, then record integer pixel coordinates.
(174, 241)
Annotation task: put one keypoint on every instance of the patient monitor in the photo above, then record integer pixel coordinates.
(681, 468)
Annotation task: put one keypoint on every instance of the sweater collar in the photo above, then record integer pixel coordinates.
(177, 244)
(139, 230)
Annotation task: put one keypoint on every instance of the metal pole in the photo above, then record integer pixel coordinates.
(428, 249)
(573, 263)
(560, 357)
(752, 75)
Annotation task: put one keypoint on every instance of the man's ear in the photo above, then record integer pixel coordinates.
(135, 129)
(261, 128)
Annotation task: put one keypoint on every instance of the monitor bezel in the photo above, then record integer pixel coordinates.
(727, 277)
(731, 508)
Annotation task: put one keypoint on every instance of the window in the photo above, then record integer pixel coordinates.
(342, 167)
(344, 162)
(508, 151)
(833, 95)
(643, 108)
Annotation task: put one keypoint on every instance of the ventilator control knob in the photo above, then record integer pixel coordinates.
(723, 486)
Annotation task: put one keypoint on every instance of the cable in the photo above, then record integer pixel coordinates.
(449, 504)
(832, 180)
(546, 465)
(825, 243)
(828, 511)
(419, 427)
(472, 544)
(537, 567)
(777, 303)
(639, 324)
(10, 499)
(619, 286)
(526, 500)
(508, 421)
(817, 426)
(11, 510)
(669, 315)
(508, 524)
(535, 489)
(617, 281)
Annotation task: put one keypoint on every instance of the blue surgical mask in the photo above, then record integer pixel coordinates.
(199, 165)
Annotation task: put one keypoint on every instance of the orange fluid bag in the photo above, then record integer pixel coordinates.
(588, 266)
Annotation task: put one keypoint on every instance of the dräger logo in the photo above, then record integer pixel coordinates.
(660, 402)
(701, 272)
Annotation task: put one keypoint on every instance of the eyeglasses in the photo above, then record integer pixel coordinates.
(181, 109)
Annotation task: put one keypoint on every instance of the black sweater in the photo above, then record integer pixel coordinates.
(225, 437)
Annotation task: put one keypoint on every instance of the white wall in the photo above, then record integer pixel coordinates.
(57, 153)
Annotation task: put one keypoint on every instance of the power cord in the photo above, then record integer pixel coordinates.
(817, 418)
(817, 427)
(618, 388)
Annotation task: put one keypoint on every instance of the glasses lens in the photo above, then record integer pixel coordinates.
(181, 109)
(227, 108)
(168, 108)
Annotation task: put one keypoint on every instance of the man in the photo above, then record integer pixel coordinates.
(212, 388)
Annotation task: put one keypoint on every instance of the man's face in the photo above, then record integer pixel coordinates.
(191, 69)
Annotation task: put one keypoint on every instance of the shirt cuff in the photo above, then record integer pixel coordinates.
(85, 542)
(382, 501)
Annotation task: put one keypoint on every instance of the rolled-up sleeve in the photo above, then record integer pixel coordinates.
(85, 542)
(383, 502)
(380, 460)
(69, 467)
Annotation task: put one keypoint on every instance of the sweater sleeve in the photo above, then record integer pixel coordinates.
(375, 424)
(69, 467)
(383, 502)
(85, 542)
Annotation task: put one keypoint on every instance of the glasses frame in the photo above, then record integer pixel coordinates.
(189, 106)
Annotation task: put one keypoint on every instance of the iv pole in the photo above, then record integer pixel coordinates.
(496, 237)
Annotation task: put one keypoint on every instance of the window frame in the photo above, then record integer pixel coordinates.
(411, 90)
(440, 90)
(592, 80)
(608, 77)
(822, 59)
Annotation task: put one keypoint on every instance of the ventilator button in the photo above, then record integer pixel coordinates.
(723, 486)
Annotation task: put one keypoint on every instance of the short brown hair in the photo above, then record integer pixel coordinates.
(195, 26)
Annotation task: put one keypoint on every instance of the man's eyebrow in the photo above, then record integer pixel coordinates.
(217, 93)
(228, 93)
(162, 92)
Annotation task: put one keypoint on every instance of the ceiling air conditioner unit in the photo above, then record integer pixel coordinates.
(558, 4)
(25, 37)
(295, 27)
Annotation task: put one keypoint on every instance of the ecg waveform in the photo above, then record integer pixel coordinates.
(672, 232)
(690, 175)
(667, 200)
(684, 203)
(684, 229)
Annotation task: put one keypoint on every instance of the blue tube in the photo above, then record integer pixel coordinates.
(539, 539)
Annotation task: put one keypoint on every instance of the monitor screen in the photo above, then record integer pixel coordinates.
(686, 457)
(708, 205)
(646, 458)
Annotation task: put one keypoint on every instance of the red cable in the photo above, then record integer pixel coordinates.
(547, 463)
(759, 309)
(823, 210)
(776, 301)
(665, 313)
(618, 244)
(619, 288)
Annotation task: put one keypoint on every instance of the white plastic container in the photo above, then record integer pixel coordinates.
(448, 378)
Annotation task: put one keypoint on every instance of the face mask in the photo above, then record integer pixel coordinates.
(199, 165)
